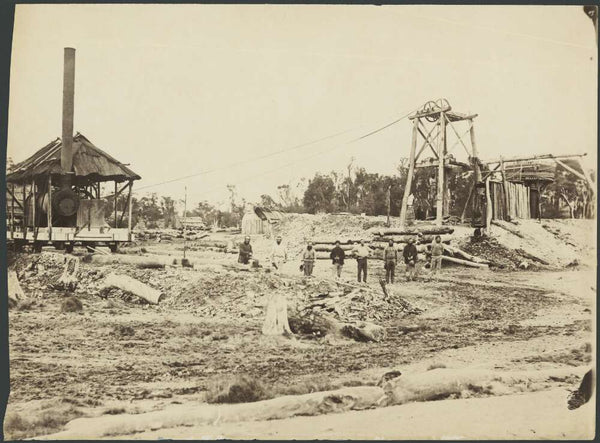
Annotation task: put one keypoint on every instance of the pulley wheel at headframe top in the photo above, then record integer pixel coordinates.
(65, 202)
(434, 106)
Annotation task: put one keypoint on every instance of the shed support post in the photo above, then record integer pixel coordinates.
(489, 208)
(130, 203)
(439, 216)
(34, 204)
(12, 213)
(24, 221)
(49, 207)
(504, 189)
(116, 221)
(411, 171)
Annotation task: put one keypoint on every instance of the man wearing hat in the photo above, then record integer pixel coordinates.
(390, 260)
(410, 259)
(278, 254)
(245, 251)
(337, 258)
(362, 253)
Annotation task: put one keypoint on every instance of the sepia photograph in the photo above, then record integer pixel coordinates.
(301, 221)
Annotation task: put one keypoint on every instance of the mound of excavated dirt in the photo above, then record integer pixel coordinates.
(558, 242)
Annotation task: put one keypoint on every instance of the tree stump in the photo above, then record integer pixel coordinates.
(276, 321)
(15, 292)
(68, 280)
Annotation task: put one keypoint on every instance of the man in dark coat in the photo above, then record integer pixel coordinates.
(410, 259)
(245, 251)
(337, 258)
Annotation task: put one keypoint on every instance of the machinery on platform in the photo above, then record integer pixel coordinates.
(54, 196)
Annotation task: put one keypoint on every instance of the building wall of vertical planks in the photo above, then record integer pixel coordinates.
(437, 129)
(516, 184)
(60, 186)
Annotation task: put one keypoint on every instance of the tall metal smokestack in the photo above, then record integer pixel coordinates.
(66, 155)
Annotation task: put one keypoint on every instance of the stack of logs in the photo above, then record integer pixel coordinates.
(380, 238)
(423, 239)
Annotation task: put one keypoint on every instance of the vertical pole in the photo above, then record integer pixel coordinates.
(34, 205)
(184, 220)
(12, 213)
(389, 203)
(411, 170)
(488, 209)
(475, 155)
(504, 189)
(439, 216)
(116, 221)
(66, 153)
(24, 221)
(49, 211)
(539, 202)
(129, 221)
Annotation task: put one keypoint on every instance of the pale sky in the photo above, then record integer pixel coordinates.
(175, 90)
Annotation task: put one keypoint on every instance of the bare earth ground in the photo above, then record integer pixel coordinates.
(118, 357)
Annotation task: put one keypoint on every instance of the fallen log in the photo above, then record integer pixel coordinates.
(455, 251)
(464, 262)
(322, 247)
(135, 260)
(406, 238)
(420, 248)
(441, 383)
(423, 231)
(507, 228)
(132, 285)
(531, 257)
(202, 414)
(332, 240)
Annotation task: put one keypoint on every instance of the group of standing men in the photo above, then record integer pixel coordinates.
(361, 252)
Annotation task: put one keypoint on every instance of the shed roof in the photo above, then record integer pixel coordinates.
(527, 171)
(90, 164)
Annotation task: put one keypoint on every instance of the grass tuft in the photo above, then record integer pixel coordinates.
(241, 389)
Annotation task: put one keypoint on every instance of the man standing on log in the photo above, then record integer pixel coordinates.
(437, 250)
(278, 254)
(245, 251)
(410, 259)
(308, 259)
(390, 260)
(362, 253)
(337, 257)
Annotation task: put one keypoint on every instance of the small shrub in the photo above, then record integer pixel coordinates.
(14, 424)
(114, 411)
(123, 331)
(26, 305)
(242, 389)
(191, 330)
(71, 304)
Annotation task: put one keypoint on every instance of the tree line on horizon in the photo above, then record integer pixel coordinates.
(357, 191)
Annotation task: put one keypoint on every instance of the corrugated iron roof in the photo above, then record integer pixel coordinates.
(90, 163)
